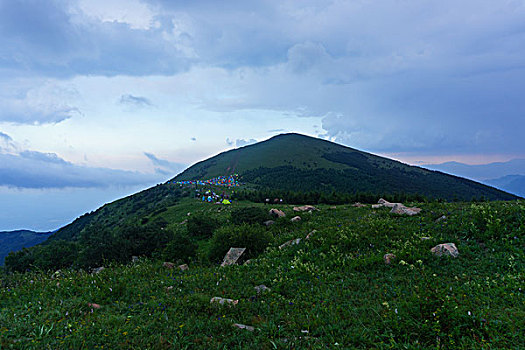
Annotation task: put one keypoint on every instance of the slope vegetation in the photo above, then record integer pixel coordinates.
(301, 163)
(16, 240)
(333, 290)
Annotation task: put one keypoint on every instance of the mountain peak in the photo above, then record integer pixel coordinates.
(297, 162)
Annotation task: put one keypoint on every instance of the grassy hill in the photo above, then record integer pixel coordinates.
(333, 290)
(302, 163)
(290, 164)
(16, 240)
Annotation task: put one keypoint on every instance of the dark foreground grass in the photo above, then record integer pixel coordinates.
(331, 291)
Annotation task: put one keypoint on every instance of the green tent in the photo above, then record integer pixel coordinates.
(226, 201)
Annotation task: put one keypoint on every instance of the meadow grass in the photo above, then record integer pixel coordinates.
(331, 291)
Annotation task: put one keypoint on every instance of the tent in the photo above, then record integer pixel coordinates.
(226, 201)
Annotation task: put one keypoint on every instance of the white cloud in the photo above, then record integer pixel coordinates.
(243, 142)
(22, 168)
(134, 13)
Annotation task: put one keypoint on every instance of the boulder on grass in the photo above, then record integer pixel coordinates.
(224, 301)
(291, 242)
(304, 208)
(168, 265)
(441, 218)
(386, 203)
(295, 219)
(447, 249)
(98, 269)
(277, 213)
(389, 258)
(402, 210)
(184, 267)
(242, 326)
(261, 289)
(232, 256)
(308, 236)
(268, 223)
(358, 205)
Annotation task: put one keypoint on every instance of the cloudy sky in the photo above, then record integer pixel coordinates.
(108, 96)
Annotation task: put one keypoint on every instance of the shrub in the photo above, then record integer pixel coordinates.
(141, 240)
(201, 226)
(250, 215)
(56, 255)
(252, 237)
(21, 260)
(180, 247)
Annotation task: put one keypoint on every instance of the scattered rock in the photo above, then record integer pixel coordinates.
(295, 219)
(242, 326)
(269, 223)
(358, 205)
(168, 265)
(248, 262)
(184, 222)
(134, 259)
(277, 213)
(402, 210)
(386, 203)
(441, 218)
(308, 236)
(169, 288)
(94, 306)
(304, 208)
(448, 249)
(333, 207)
(389, 258)
(184, 267)
(223, 301)
(188, 214)
(261, 289)
(291, 242)
(377, 206)
(425, 238)
(98, 270)
(232, 256)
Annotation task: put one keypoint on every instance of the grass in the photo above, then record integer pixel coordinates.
(331, 291)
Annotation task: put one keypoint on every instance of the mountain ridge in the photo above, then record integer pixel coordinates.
(325, 166)
(18, 239)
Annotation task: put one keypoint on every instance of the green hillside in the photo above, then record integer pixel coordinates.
(299, 168)
(16, 240)
(333, 290)
(302, 163)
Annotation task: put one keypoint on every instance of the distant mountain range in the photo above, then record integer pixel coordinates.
(508, 176)
(16, 240)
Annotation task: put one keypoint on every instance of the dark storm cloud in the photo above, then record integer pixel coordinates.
(48, 38)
